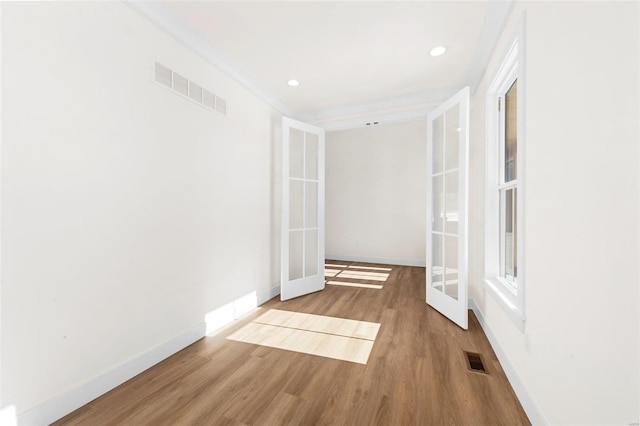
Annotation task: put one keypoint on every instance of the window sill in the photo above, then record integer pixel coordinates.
(507, 301)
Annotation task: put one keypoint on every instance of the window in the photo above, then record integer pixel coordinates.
(508, 185)
(504, 194)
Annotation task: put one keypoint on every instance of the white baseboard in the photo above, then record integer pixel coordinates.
(383, 261)
(61, 405)
(267, 295)
(536, 417)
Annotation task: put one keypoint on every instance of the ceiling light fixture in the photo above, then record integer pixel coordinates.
(437, 51)
(293, 83)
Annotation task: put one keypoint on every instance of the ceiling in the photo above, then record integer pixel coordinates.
(355, 60)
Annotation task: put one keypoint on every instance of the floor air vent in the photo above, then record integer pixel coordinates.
(474, 362)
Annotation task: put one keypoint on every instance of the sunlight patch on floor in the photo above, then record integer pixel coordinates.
(363, 275)
(372, 268)
(330, 337)
(331, 272)
(349, 284)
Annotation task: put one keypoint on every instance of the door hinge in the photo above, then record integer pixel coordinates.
(499, 102)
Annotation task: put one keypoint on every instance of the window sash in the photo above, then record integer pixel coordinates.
(509, 297)
(508, 245)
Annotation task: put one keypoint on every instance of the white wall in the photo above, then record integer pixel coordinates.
(128, 212)
(578, 356)
(376, 193)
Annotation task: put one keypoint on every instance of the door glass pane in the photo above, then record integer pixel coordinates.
(451, 260)
(451, 203)
(311, 155)
(437, 262)
(311, 253)
(296, 153)
(311, 205)
(511, 132)
(509, 235)
(452, 138)
(296, 200)
(437, 204)
(438, 144)
(295, 255)
(515, 235)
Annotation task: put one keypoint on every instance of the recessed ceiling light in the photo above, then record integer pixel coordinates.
(293, 83)
(437, 51)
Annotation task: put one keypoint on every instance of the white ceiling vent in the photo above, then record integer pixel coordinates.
(189, 89)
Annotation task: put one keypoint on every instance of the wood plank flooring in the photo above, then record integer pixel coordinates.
(416, 373)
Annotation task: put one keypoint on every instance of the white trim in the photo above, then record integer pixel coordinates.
(57, 407)
(1, 406)
(332, 125)
(378, 260)
(506, 300)
(535, 414)
(267, 295)
(513, 66)
(162, 17)
(411, 102)
(494, 22)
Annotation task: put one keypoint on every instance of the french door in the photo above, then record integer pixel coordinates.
(447, 205)
(302, 209)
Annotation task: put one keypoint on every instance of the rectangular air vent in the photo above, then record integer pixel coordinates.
(208, 99)
(189, 89)
(221, 105)
(163, 75)
(195, 92)
(474, 362)
(180, 84)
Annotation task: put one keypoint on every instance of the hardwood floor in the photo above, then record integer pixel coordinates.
(416, 373)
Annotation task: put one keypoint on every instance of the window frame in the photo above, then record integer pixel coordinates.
(510, 298)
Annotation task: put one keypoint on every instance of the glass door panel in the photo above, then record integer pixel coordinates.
(311, 155)
(452, 137)
(296, 206)
(437, 262)
(296, 153)
(437, 202)
(303, 209)
(451, 202)
(311, 253)
(311, 205)
(451, 266)
(438, 144)
(295, 255)
(447, 147)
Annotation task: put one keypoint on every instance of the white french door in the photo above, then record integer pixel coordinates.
(447, 201)
(302, 209)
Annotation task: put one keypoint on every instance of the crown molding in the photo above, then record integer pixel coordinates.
(161, 16)
(399, 108)
(408, 101)
(495, 20)
(381, 118)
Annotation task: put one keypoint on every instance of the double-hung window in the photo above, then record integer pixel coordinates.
(508, 185)
(504, 193)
